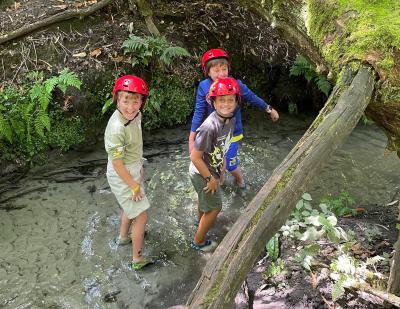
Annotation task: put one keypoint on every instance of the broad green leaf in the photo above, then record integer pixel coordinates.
(310, 234)
(299, 204)
(306, 196)
(314, 220)
(324, 207)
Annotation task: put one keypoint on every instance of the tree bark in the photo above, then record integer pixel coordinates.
(147, 13)
(268, 211)
(394, 277)
(66, 15)
(290, 32)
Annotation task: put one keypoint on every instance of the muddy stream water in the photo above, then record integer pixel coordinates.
(57, 244)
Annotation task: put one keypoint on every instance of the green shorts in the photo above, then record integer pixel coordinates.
(207, 201)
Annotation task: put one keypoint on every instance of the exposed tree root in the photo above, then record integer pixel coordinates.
(19, 194)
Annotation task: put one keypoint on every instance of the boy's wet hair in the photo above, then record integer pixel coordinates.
(214, 62)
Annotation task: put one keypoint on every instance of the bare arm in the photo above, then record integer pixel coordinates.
(196, 157)
(192, 137)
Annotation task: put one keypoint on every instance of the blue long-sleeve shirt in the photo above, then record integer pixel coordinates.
(203, 109)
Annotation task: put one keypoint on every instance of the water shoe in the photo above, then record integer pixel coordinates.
(208, 246)
(123, 241)
(140, 264)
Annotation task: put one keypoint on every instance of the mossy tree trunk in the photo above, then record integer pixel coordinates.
(394, 278)
(268, 211)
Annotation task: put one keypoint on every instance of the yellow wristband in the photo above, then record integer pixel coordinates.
(135, 189)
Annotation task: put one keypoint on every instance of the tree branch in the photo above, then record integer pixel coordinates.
(68, 14)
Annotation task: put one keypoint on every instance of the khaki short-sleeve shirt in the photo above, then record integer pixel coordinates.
(124, 142)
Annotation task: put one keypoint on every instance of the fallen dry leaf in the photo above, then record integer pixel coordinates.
(78, 5)
(117, 59)
(95, 53)
(356, 248)
(79, 55)
(14, 7)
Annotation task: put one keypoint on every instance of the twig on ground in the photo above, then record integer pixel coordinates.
(4, 69)
(16, 73)
(382, 226)
(50, 66)
(34, 49)
(326, 302)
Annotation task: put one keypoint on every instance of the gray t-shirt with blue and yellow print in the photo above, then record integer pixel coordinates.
(213, 138)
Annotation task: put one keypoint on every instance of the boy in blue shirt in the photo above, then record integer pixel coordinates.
(215, 64)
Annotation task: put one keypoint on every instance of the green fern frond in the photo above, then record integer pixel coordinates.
(173, 52)
(68, 79)
(5, 129)
(38, 93)
(19, 128)
(300, 66)
(134, 43)
(323, 84)
(50, 84)
(42, 121)
(309, 75)
(35, 76)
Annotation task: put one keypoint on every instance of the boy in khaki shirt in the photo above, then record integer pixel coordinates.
(124, 145)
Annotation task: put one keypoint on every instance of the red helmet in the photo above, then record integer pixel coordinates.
(224, 86)
(213, 54)
(132, 84)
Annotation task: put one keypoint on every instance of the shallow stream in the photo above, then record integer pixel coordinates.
(57, 247)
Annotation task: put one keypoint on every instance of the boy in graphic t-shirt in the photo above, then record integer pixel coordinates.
(212, 141)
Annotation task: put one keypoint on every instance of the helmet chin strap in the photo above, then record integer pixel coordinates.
(129, 121)
(226, 119)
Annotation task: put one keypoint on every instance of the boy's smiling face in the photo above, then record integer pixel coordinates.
(218, 71)
(129, 104)
(225, 105)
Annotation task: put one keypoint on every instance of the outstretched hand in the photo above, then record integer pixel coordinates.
(274, 115)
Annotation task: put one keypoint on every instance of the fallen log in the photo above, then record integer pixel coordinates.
(226, 270)
(385, 296)
(394, 277)
(66, 15)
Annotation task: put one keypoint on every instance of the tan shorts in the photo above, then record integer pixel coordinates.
(123, 192)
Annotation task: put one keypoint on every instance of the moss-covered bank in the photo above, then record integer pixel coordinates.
(363, 31)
